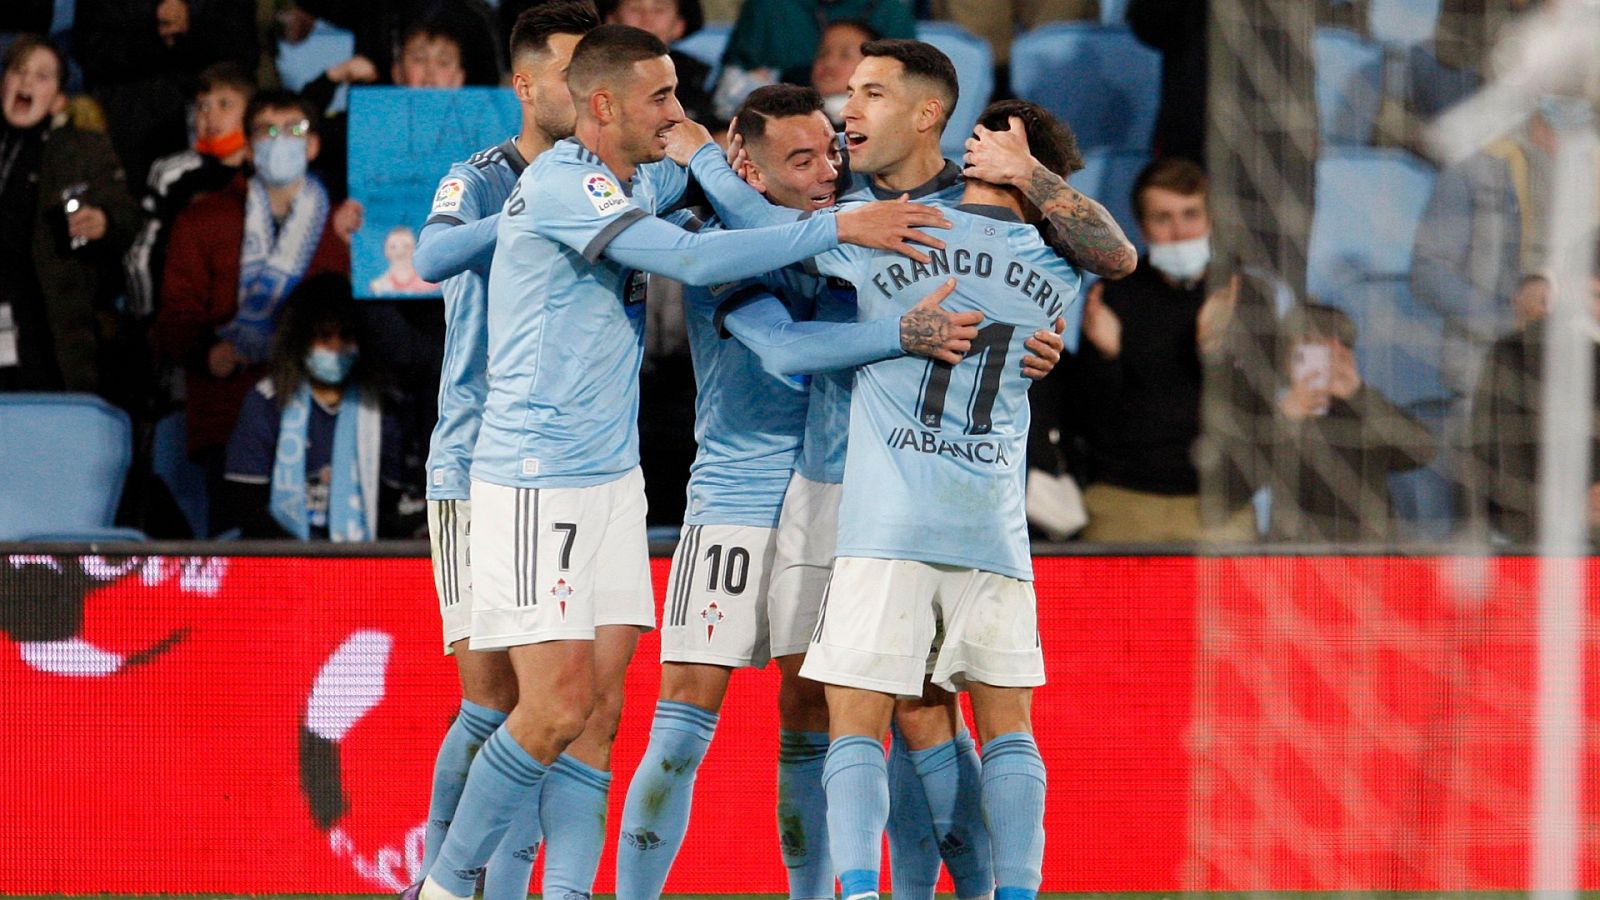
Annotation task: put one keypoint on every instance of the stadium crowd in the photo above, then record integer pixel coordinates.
(177, 229)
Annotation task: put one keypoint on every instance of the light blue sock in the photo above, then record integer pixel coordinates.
(472, 727)
(803, 814)
(913, 844)
(951, 778)
(1013, 808)
(656, 813)
(856, 778)
(503, 780)
(511, 865)
(573, 810)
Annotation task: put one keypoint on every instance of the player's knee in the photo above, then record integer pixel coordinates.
(802, 703)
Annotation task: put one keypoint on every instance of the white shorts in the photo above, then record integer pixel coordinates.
(449, 534)
(881, 615)
(552, 564)
(808, 532)
(716, 607)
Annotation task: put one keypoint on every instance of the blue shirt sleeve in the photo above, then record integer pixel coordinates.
(253, 446)
(785, 347)
(651, 245)
(846, 261)
(667, 180)
(578, 206)
(459, 197)
(445, 249)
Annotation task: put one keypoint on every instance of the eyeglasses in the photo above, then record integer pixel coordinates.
(297, 129)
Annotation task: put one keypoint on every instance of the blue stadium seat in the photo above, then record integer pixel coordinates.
(186, 481)
(707, 45)
(1108, 177)
(1398, 340)
(974, 63)
(1100, 79)
(1349, 86)
(1369, 201)
(1402, 22)
(63, 459)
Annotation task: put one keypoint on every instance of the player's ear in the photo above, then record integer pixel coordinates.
(522, 86)
(928, 114)
(754, 177)
(602, 105)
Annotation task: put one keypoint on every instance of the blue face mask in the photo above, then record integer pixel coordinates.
(1565, 113)
(330, 366)
(280, 161)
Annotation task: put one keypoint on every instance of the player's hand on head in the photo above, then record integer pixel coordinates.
(738, 157)
(684, 139)
(1000, 157)
(931, 331)
(1044, 351)
(892, 225)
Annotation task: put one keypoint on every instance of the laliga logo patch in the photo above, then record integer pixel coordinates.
(604, 194)
(448, 198)
(561, 592)
(712, 615)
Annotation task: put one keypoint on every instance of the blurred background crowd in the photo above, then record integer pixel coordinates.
(1362, 366)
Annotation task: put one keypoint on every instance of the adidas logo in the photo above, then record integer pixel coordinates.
(526, 854)
(642, 839)
(793, 844)
(469, 874)
(951, 846)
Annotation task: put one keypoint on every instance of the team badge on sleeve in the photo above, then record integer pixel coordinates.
(604, 194)
(448, 197)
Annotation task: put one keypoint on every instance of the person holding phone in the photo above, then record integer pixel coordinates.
(1336, 439)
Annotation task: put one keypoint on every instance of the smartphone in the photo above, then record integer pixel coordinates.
(1311, 365)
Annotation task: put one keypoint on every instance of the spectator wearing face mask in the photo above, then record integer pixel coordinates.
(216, 158)
(234, 258)
(315, 456)
(1134, 386)
(65, 213)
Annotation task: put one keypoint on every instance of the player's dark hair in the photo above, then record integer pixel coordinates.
(1049, 139)
(17, 55)
(925, 61)
(606, 52)
(536, 24)
(227, 74)
(773, 101)
(281, 99)
(1173, 173)
(694, 18)
(319, 306)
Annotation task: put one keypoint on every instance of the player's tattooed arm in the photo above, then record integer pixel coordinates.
(929, 330)
(1081, 230)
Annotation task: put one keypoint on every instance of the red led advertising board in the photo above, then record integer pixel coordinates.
(1256, 722)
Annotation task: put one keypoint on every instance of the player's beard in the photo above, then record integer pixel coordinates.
(557, 120)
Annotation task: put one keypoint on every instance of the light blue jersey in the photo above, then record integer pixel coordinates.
(938, 452)
(566, 327)
(471, 191)
(827, 438)
(747, 421)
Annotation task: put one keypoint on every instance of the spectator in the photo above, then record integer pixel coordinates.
(997, 20)
(430, 57)
(1134, 385)
(218, 155)
(381, 27)
(314, 455)
(235, 255)
(1336, 440)
(140, 59)
(1506, 424)
(838, 54)
(672, 21)
(65, 214)
(775, 40)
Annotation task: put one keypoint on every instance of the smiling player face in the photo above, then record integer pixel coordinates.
(796, 162)
(648, 109)
(879, 114)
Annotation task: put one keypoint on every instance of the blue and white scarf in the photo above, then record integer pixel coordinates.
(353, 491)
(271, 265)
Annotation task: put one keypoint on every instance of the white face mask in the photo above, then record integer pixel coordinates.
(1182, 260)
